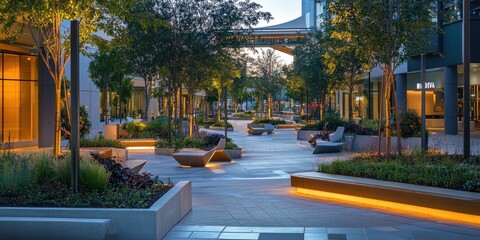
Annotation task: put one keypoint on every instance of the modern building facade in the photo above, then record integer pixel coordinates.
(444, 77)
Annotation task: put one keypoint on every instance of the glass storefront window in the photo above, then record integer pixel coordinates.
(11, 66)
(19, 89)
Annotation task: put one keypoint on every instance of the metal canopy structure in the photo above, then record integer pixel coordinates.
(282, 37)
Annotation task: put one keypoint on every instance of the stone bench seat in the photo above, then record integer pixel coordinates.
(56, 228)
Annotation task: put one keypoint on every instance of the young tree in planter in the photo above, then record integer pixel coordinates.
(42, 21)
(224, 74)
(346, 59)
(124, 90)
(239, 86)
(267, 67)
(295, 85)
(107, 71)
(392, 30)
(309, 64)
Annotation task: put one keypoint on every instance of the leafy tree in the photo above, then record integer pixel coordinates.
(107, 70)
(143, 38)
(392, 31)
(223, 76)
(267, 67)
(124, 90)
(347, 59)
(309, 64)
(295, 85)
(42, 21)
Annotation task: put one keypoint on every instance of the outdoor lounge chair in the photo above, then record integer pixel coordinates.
(332, 146)
(255, 129)
(197, 159)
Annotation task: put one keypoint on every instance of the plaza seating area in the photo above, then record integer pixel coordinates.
(259, 129)
(332, 146)
(200, 159)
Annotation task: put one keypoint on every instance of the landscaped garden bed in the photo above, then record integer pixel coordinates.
(201, 141)
(435, 170)
(112, 201)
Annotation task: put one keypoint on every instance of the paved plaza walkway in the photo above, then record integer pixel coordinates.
(251, 198)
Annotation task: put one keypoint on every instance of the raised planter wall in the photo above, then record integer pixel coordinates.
(234, 153)
(304, 135)
(164, 151)
(220, 128)
(121, 153)
(66, 223)
(452, 144)
(406, 198)
(365, 143)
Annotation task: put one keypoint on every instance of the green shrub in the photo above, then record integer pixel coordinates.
(222, 124)
(93, 176)
(142, 129)
(100, 142)
(370, 123)
(44, 168)
(15, 174)
(163, 143)
(312, 127)
(244, 115)
(410, 124)
(269, 121)
(331, 121)
(231, 146)
(159, 127)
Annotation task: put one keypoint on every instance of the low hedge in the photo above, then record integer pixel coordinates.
(442, 171)
(269, 121)
(100, 142)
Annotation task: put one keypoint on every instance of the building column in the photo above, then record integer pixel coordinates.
(401, 84)
(46, 107)
(450, 100)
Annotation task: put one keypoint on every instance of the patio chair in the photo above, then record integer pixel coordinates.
(332, 146)
(197, 159)
(337, 135)
(255, 129)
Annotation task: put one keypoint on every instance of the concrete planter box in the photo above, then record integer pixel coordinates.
(365, 143)
(234, 153)
(121, 153)
(164, 151)
(98, 223)
(304, 135)
(426, 201)
(220, 128)
(110, 131)
(452, 144)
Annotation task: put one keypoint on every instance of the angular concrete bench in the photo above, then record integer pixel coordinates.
(255, 129)
(56, 228)
(198, 159)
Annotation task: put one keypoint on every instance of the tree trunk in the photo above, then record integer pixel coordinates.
(380, 116)
(350, 103)
(105, 105)
(397, 118)
(191, 119)
(56, 146)
(147, 97)
(269, 106)
(235, 107)
(388, 85)
(219, 110)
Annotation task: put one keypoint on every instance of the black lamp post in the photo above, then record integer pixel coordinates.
(75, 101)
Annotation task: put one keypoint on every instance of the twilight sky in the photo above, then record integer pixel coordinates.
(282, 11)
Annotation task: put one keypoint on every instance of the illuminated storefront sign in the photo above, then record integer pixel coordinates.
(428, 85)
